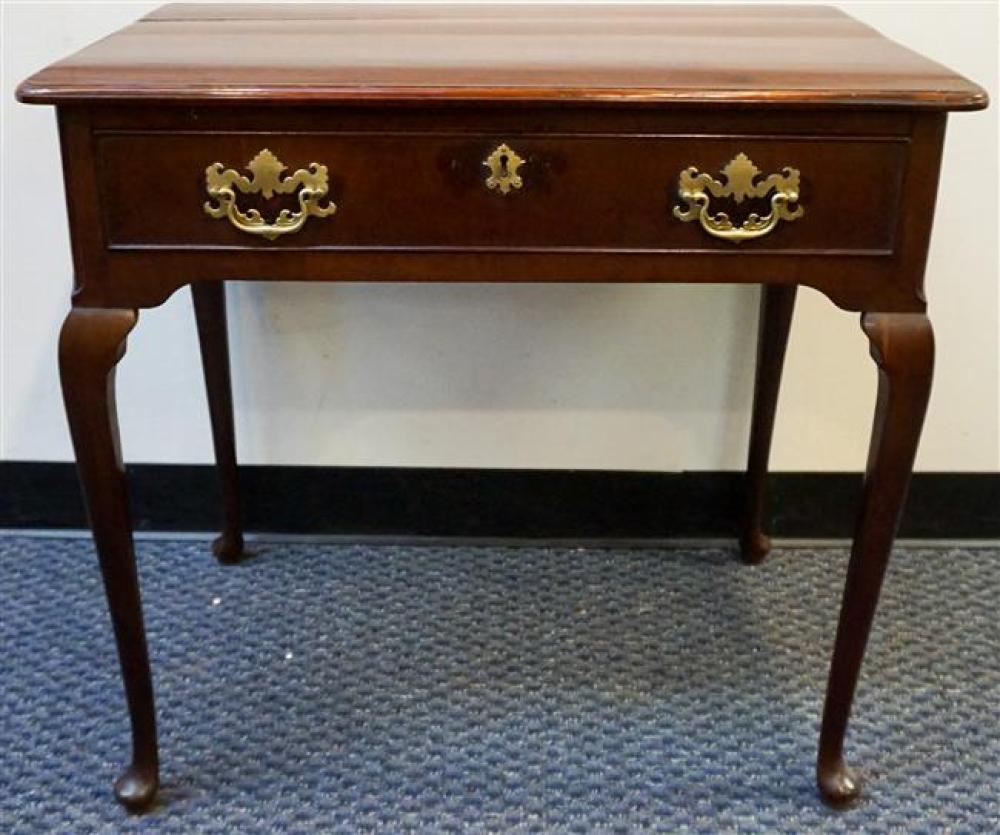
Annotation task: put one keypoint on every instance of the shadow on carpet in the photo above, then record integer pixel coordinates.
(332, 688)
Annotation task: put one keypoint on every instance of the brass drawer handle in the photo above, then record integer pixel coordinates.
(503, 164)
(740, 174)
(266, 168)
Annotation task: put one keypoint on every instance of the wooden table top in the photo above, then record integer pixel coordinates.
(796, 56)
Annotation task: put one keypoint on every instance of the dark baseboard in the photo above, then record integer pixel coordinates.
(515, 504)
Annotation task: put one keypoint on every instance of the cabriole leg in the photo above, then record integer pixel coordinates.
(777, 302)
(90, 345)
(210, 314)
(902, 345)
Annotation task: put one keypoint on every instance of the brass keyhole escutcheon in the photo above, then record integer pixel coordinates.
(503, 164)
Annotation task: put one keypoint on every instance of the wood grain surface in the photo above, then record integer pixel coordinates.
(676, 54)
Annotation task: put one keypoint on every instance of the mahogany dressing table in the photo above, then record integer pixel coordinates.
(774, 145)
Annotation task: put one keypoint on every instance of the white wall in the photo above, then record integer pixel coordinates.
(642, 377)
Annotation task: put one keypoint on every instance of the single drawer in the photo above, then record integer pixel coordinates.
(427, 191)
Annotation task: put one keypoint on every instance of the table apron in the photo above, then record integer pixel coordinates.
(598, 200)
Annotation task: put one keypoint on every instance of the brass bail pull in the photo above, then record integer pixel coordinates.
(697, 189)
(222, 184)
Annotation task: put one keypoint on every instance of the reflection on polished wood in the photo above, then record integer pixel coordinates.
(719, 55)
(586, 118)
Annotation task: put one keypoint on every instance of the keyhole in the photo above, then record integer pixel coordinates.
(503, 165)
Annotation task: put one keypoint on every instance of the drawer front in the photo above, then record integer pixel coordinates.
(429, 191)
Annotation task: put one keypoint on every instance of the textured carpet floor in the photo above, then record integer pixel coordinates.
(439, 689)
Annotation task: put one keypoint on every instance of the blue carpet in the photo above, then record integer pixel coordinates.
(478, 689)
